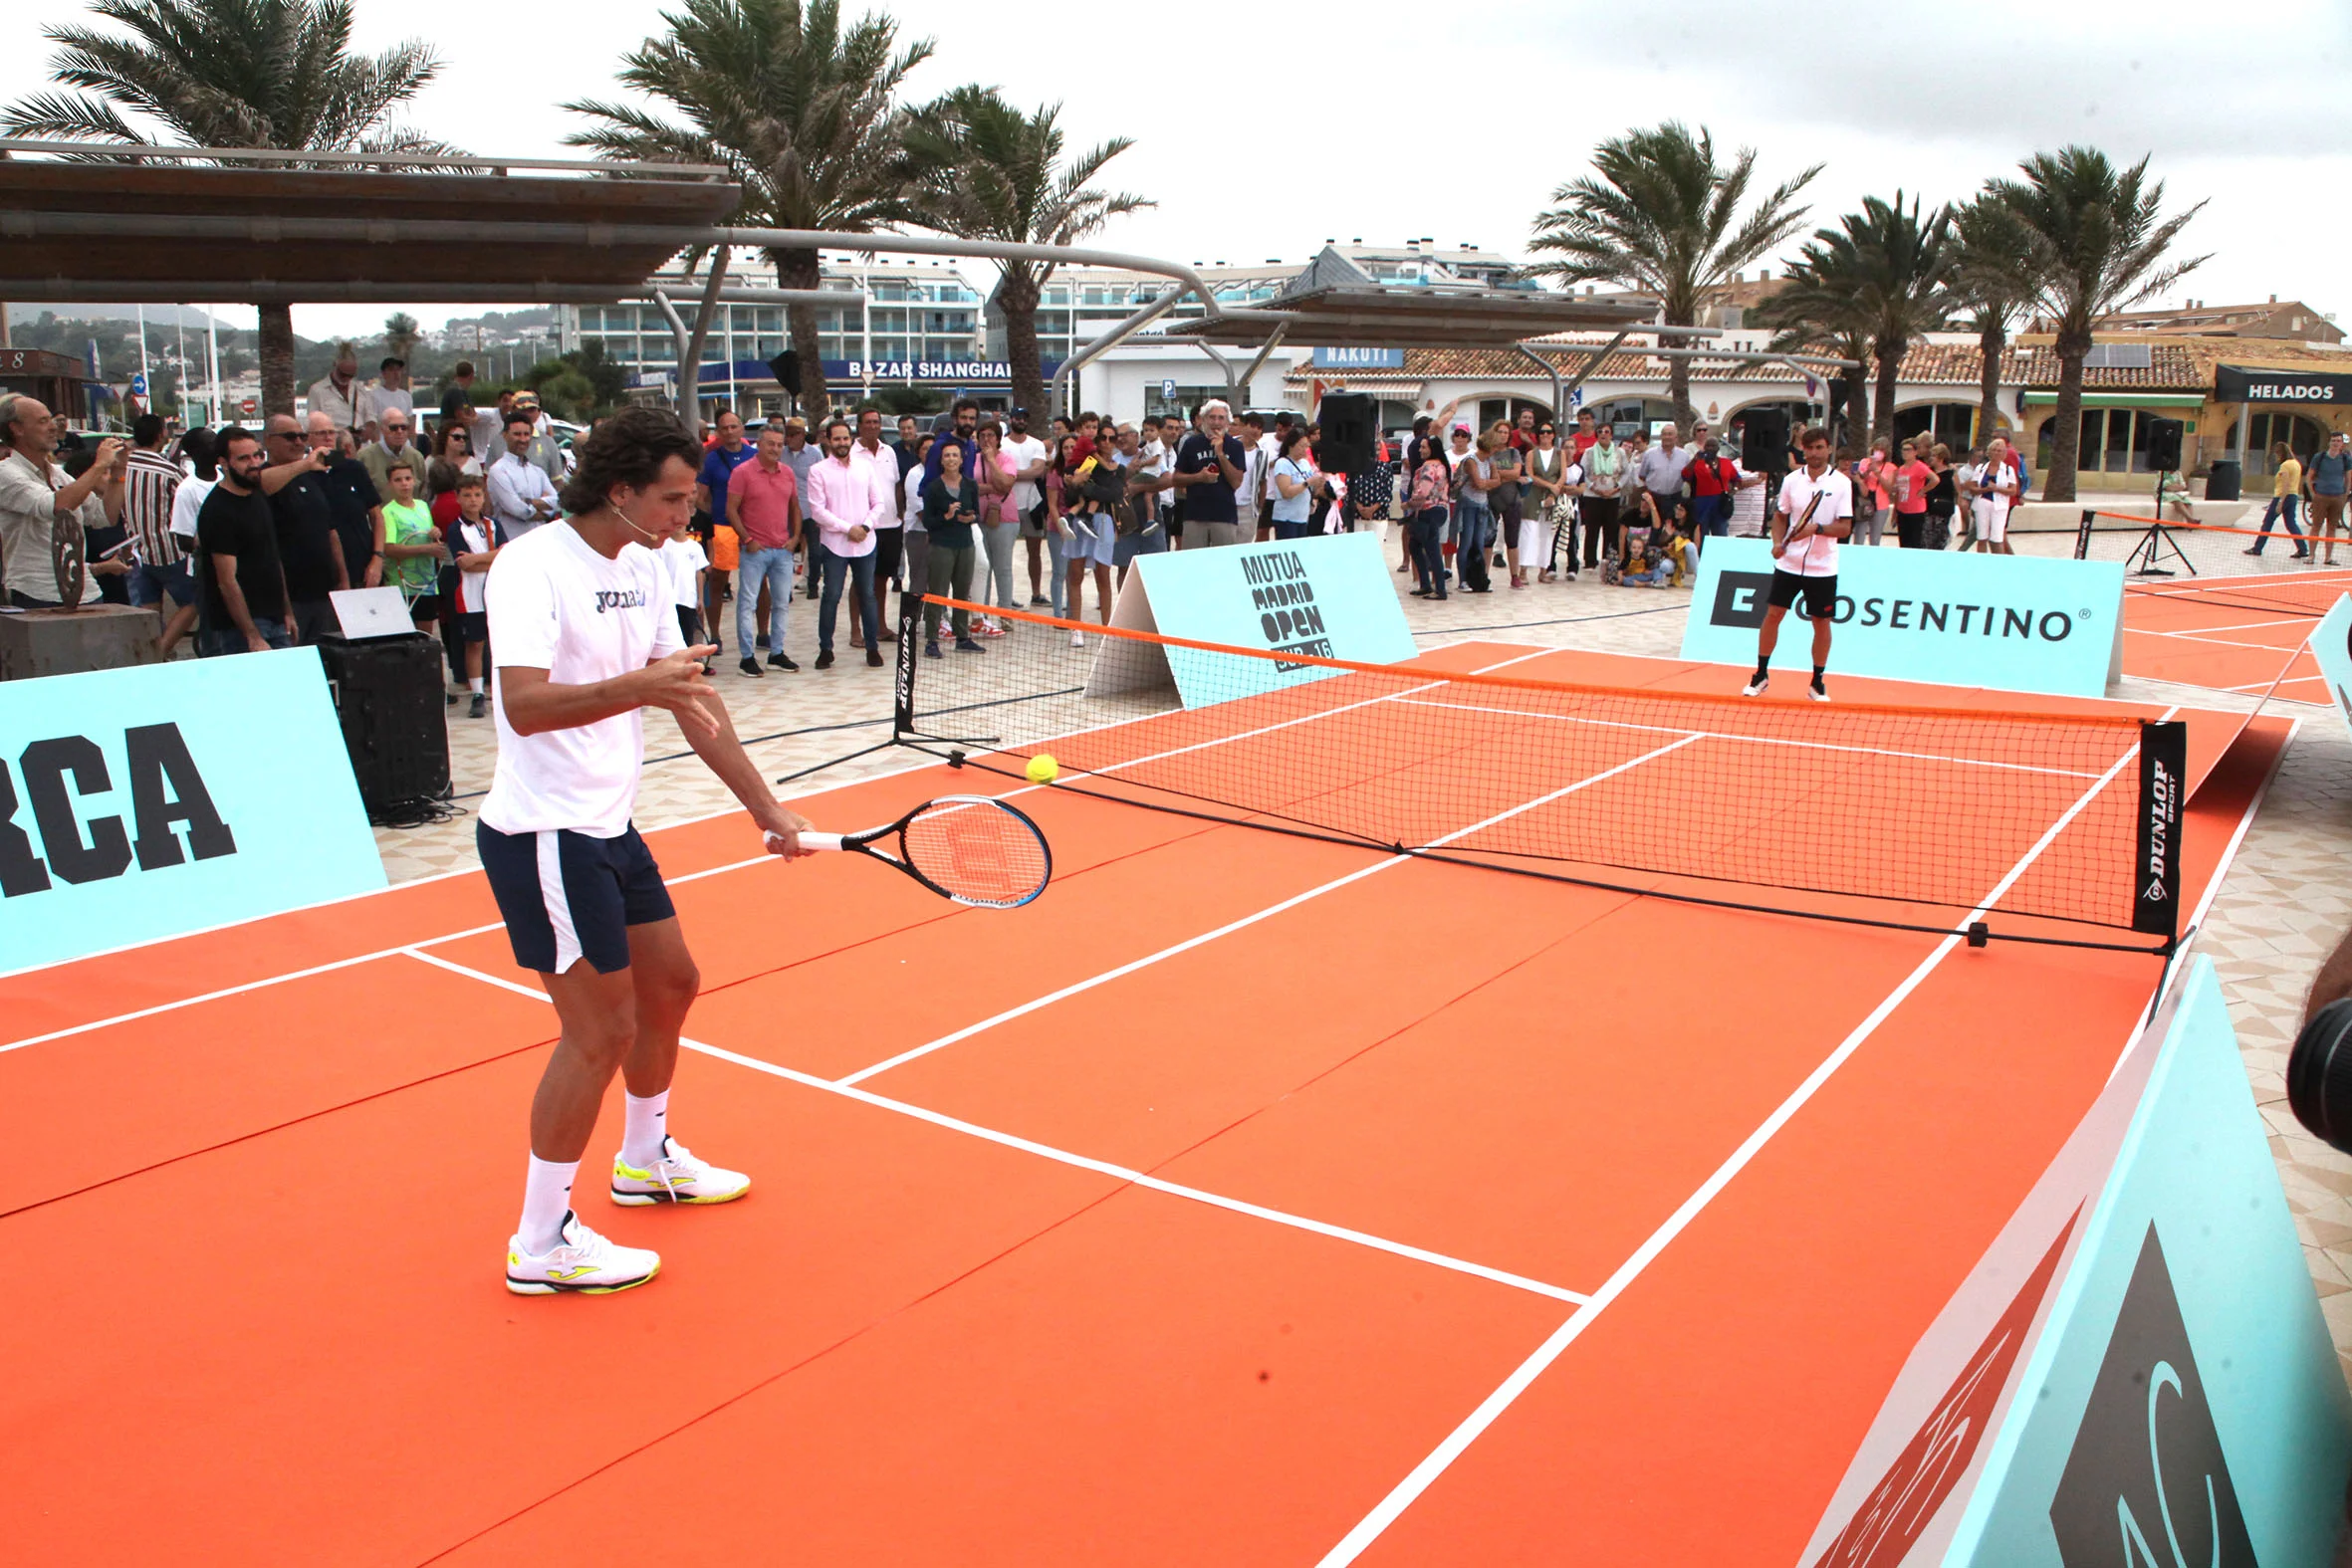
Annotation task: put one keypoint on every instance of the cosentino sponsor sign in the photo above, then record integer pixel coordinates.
(2239, 384)
(2013, 622)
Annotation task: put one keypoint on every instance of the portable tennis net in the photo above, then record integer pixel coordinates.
(2204, 563)
(2060, 827)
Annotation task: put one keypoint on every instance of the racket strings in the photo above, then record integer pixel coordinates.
(977, 852)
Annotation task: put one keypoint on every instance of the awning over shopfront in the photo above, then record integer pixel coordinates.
(2314, 388)
(2093, 398)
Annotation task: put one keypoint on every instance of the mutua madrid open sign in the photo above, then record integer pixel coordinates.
(2024, 623)
(142, 802)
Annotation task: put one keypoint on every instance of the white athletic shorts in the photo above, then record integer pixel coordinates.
(1993, 520)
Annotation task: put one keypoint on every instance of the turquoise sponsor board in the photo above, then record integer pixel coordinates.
(144, 802)
(2184, 1404)
(2022, 623)
(2331, 647)
(1325, 596)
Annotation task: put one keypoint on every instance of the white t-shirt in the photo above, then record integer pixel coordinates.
(911, 487)
(1815, 557)
(682, 559)
(1026, 494)
(186, 502)
(559, 605)
(1747, 508)
(472, 538)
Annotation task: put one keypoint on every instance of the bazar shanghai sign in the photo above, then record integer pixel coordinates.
(952, 370)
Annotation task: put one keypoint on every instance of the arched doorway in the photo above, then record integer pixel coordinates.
(1628, 415)
(2263, 429)
(1797, 410)
(1508, 409)
(2115, 440)
(1953, 424)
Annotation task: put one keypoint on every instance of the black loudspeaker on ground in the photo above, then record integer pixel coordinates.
(1347, 419)
(2320, 1075)
(387, 697)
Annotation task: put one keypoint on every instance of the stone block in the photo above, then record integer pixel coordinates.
(66, 642)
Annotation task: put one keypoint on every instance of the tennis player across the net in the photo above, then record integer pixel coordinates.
(1844, 810)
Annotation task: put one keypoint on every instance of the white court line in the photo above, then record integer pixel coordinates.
(1402, 1495)
(1066, 1157)
(474, 931)
(1232, 925)
(2219, 642)
(1755, 739)
(1244, 735)
(230, 990)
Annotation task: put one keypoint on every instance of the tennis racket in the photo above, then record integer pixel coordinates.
(971, 848)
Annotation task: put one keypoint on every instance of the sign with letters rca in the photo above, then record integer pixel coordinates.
(2136, 1374)
(140, 804)
(1326, 596)
(2020, 624)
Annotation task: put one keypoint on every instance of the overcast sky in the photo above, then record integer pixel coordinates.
(1264, 141)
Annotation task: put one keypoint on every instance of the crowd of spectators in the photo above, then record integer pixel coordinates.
(239, 537)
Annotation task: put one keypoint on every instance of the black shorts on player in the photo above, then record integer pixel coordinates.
(1820, 594)
(567, 895)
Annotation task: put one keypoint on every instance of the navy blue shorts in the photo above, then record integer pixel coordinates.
(566, 896)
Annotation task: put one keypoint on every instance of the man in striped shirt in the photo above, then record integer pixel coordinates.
(150, 481)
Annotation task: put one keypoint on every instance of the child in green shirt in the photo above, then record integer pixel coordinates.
(412, 549)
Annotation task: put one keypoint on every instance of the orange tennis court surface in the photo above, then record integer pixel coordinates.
(2187, 631)
(1246, 1199)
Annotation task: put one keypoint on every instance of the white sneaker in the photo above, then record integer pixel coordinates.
(1077, 640)
(1817, 692)
(1755, 688)
(676, 1177)
(581, 1261)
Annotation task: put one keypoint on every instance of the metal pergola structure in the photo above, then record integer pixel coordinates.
(87, 221)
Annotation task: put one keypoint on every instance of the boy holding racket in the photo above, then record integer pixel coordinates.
(582, 625)
(1816, 509)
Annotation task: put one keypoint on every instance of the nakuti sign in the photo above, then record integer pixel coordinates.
(2012, 622)
(142, 802)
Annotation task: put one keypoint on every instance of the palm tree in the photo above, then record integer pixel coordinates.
(986, 170)
(231, 73)
(1664, 217)
(1992, 280)
(1884, 273)
(804, 113)
(401, 333)
(2097, 244)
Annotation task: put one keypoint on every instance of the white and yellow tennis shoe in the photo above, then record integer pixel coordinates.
(676, 1177)
(581, 1261)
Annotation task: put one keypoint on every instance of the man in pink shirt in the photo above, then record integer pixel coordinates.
(764, 504)
(847, 500)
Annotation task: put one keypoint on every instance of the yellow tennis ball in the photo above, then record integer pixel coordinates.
(1043, 768)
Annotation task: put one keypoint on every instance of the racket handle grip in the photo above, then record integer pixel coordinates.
(814, 840)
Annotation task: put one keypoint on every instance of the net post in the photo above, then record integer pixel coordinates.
(2156, 873)
(910, 625)
(2082, 534)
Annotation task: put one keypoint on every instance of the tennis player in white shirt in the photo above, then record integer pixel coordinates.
(583, 623)
(1816, 509)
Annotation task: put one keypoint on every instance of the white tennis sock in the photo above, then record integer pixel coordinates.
(641, 1134)
(474, 685)
(547, 1197)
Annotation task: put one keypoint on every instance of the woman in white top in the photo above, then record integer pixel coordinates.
(1992, 487)
(203, 472)
(1297, 483)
